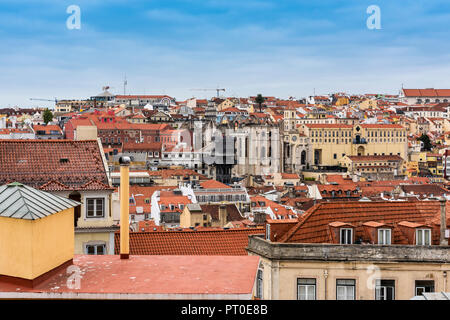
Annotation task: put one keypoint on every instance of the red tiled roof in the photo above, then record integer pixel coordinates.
(131, 145)
(381, 126)
(314, 225)
(330, 125)
(214, 184)
(37, 162)
(290, 176)
(148, 226)
(230, 242)
(427, 92)
(48, 128)
(375, 158)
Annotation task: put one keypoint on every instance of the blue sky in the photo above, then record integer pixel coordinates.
(278, 48)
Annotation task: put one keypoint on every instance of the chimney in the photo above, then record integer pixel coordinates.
(259, 218)
(222, 215)
(124, 207)
(443, 201)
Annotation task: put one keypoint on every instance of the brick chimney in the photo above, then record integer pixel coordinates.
(259, 217)
(222, 215)
(124, 207)
(443, 202)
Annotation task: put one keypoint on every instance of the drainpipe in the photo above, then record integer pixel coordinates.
(443, 201)
(124, 207)
(325, 275)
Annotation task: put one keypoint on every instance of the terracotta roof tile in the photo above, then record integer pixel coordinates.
(313, 226)
(36, 162)
(230, 242)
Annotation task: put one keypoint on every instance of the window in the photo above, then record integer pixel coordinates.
(95, 208)
(385, 290)
(345, 289)
(306, 289)
(259, 284)
(423, 237)
(95, 249)
(346, 236)
(424, 286)
(267, 231)
(384, 236)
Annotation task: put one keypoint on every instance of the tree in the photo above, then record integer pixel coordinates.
(48, 116)
(259, 100)
(427, 146)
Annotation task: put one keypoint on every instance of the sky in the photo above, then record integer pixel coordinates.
(273, 47)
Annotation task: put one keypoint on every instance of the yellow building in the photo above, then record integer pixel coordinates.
(208, 215)
(227, 103)
(374, 167)
(36, 232)
(342, 101)
(412, 169)
(328, 143)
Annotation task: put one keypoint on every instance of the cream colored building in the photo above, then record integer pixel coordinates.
(194, 216)
(86, 133)
(328, 143)
(374, 167)
(291, 271)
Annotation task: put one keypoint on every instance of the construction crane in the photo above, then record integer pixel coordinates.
(218, 90)
(55, 100)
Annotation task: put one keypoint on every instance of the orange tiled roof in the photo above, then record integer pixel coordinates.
(213, 242)
(381, 126)
(48, 128)
(37, 162)
(290, 176)
(329, 125)
(213, 184)
(314, 225)
(427, 92)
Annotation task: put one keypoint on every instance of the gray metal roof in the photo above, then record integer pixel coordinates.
(23, 202)
(194, 207)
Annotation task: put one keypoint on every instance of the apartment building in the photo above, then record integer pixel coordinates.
(355, 250)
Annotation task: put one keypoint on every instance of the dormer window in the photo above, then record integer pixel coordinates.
(423, 237)
(384, 236)
(346, 236)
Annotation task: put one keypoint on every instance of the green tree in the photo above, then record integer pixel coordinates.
(259, 100)
(48, 116)
(427, 145)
